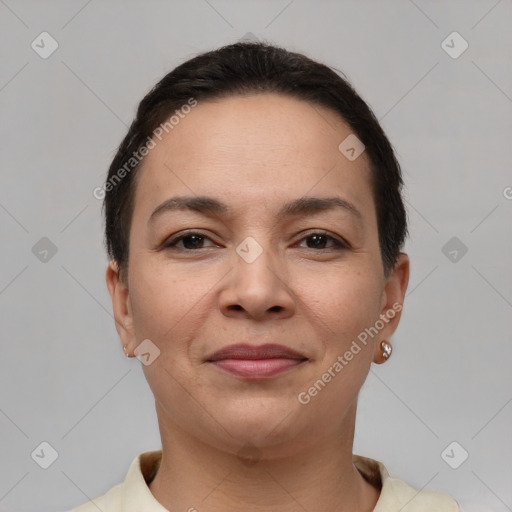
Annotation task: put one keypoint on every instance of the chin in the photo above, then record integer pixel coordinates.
(264, 423)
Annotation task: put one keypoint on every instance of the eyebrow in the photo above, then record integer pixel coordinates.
(211, 207)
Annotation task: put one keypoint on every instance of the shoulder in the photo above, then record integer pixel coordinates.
(398, 495)
(133, 495)
(409, 499)
(108, 502)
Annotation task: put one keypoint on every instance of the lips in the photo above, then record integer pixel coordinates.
(256, 362)
(243, 351)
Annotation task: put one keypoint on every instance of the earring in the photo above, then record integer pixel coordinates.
(386, 349)
(125, 350)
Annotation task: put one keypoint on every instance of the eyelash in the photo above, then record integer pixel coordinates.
(338, 244)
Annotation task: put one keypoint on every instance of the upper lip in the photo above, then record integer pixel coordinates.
(246, 351)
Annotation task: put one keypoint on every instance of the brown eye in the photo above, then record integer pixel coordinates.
(189, 241)
(320, 240)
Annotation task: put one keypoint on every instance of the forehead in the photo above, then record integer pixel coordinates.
(259, 146)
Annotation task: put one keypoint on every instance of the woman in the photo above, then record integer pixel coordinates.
(255, 223)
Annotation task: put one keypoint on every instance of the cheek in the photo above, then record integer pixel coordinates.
(346, 301)
(168, 306)
(166, 311)
(157, 300)
(341, 308)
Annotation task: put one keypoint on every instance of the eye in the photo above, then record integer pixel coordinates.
(189, 241)
(318, 240)
(194, 240)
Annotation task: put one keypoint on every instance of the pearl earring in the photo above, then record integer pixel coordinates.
(386, 349)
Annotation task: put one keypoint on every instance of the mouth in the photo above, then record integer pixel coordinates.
(256, 362)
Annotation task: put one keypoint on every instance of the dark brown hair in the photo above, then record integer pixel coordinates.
(248, 68)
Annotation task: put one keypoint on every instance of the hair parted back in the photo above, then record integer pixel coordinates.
(252, 68)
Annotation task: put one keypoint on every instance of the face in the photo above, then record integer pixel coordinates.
(261, 261)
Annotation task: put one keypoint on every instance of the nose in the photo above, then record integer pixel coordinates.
(257, 290)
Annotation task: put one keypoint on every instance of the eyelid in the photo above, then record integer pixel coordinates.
(339, 241)
(173, 240)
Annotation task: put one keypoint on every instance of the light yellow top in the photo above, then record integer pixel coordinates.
(133, 495)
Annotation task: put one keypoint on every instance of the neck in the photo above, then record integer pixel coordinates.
(194, 475)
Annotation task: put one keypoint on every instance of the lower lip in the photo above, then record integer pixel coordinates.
(257, 368)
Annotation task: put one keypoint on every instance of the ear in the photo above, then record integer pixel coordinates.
(392, 302)
(121, 305)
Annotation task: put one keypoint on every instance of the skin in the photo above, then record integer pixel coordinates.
(255, 153)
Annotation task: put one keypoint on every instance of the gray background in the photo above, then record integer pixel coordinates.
(63, 376)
